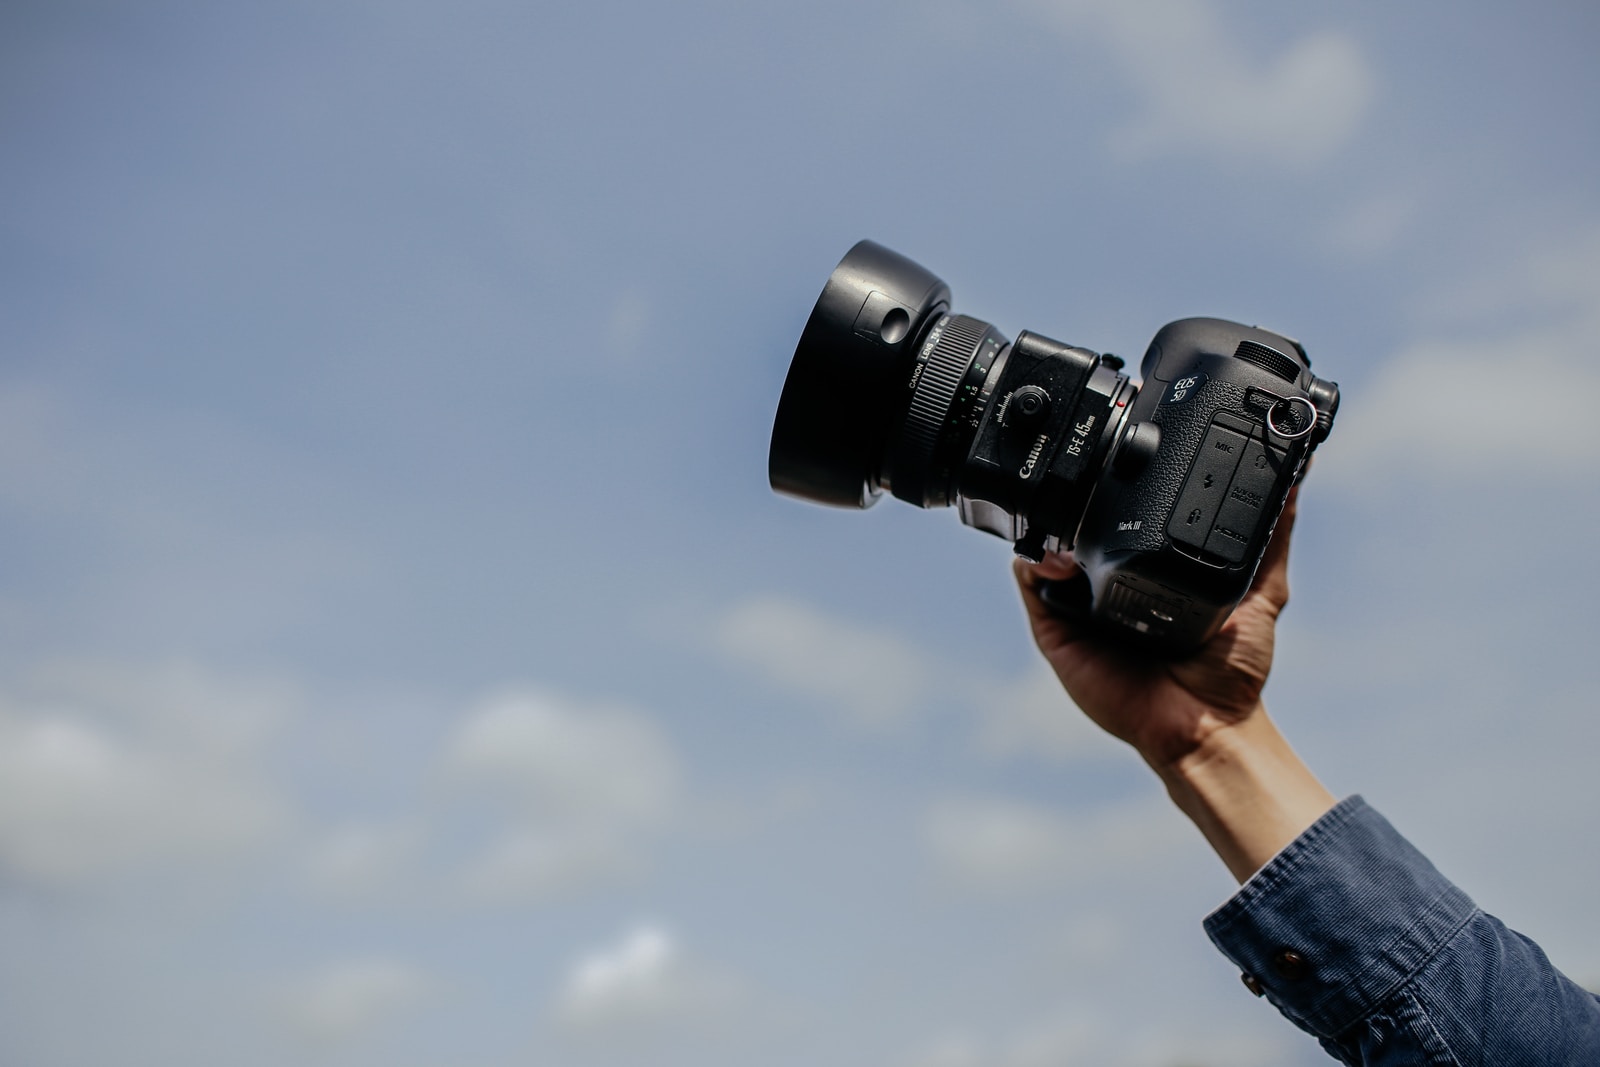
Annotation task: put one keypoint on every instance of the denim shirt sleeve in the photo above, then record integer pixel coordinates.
(1355, 937)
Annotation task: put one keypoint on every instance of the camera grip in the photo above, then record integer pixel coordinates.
(1068, 598)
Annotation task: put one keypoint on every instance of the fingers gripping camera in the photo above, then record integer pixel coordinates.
(1165, 493)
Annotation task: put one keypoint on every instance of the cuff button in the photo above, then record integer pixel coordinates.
(1291, 965)
(1252, 983)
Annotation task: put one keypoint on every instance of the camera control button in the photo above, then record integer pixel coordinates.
(1207, 487)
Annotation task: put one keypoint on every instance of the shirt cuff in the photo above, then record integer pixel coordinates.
(1339, 920)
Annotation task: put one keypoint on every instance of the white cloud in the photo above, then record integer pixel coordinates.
(360, 859)
(543, 796)
(1203, 93)
(999, 844)
(874, 674)
(1477, 402)
(582, 787)
(119, 769)
(1004, 845)
(184, 703)
(348, 999)
(549, 860)
(1471, 410)
(881, 678)
(562, 758)
(1553, 278)
(625, 976)
(1373, 225)
(1034, 717)
(644, 979)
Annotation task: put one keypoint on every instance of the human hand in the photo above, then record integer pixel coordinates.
(1167, 709)
(1198, 721)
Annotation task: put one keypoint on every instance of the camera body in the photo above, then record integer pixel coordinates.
(1165, 494)
(1200, 461)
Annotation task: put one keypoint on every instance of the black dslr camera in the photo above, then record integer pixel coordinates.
(1166, 495)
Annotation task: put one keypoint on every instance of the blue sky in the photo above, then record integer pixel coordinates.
(405, 661)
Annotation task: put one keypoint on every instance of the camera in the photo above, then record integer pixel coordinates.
(1166, 494)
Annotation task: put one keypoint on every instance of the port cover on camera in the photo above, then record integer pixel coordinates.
(1230, 489)
(1207, 487)
(1244, 509)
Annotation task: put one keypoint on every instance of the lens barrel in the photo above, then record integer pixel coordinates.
(923, 460)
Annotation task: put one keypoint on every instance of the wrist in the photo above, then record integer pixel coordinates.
(1246, 790)
(1205, 735)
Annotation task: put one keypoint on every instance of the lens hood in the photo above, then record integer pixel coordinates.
(858, 346)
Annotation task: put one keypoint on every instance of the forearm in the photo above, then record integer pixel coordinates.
(1246, 790)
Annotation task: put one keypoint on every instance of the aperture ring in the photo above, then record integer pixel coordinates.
(954, 342)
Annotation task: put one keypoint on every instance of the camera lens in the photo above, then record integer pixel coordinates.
(885, 390)
(943, 412)
(846, 392)
(889, 390)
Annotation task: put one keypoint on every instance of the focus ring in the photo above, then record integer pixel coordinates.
(942, 372)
